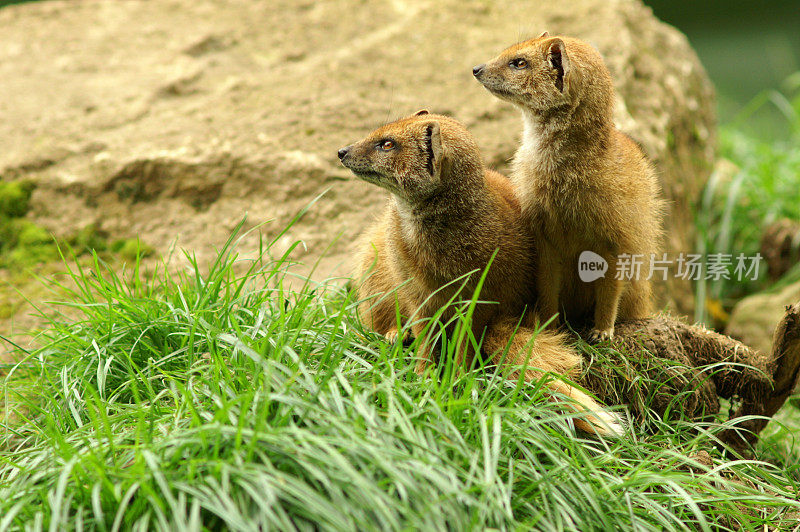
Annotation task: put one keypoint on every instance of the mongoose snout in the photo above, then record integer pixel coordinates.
(404, 159)
(535, 74)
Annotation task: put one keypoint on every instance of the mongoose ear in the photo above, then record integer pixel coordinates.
(543, 35)
(433, 144)
(559, 60)
(422, 112)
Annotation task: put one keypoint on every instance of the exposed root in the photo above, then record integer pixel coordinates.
(683, 369)
(780, 247)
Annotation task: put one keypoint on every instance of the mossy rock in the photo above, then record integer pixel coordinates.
(10, 230)
(30, 255)
(24, 243)
(15, 197)
(18, 235)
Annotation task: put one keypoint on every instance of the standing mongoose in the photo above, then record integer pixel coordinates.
(446, 220)
(583, 184)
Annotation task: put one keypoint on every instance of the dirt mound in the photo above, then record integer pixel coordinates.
(175, 119)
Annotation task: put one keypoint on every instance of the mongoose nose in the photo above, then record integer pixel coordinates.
(476, 70)
(342, 152)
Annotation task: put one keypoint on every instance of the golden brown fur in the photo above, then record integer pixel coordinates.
(582, 183)
(446, 218)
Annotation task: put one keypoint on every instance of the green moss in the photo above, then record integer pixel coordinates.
(9, 308)
(15, 197)
(131, 248)
(30, 255)
(25, 245)
(8, 233)
(30, 234)
(89, 238)
(16, 232)
(670, 139)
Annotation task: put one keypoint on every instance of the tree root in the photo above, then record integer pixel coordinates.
(677, 369)
(780, 247)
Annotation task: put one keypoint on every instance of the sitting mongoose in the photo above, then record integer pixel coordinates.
(447, 219)
(583, 185)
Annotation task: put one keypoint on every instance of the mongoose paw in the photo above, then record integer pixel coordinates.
(597, 336)
(393, 336)
(421, 366)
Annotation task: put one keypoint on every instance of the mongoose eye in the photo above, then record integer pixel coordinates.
(518, 63)
(386, 145)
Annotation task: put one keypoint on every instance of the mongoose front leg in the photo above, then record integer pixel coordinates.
(607, 296)
(548, 284)
(424, 353)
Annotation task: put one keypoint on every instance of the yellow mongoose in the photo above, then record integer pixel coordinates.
(583, 185)
(446, 218)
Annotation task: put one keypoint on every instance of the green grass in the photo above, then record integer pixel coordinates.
(225, 400)
(764, 187)
(4, 3)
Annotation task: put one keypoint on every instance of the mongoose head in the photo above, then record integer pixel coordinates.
(548, 73)
(413, 157)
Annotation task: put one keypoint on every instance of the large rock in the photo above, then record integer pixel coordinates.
(755, 317)
(174, 118)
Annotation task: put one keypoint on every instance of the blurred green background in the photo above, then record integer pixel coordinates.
(747, 47)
